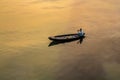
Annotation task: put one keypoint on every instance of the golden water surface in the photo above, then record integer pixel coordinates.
(25, 26)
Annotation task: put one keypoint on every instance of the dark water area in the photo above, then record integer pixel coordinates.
(25, 26)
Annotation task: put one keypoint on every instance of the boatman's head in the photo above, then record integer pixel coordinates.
(80, 29)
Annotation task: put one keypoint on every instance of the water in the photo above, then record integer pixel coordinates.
(25, 26)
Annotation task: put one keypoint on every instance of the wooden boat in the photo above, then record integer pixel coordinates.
(66, 37)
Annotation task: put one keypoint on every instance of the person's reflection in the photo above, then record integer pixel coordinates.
(81, 40)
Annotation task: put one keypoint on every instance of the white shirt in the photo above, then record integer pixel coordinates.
(81, 33)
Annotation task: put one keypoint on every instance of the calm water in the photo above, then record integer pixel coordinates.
(25, 26)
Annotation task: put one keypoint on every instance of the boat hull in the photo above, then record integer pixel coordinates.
(66, 37)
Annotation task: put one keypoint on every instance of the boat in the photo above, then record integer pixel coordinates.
(66, 37)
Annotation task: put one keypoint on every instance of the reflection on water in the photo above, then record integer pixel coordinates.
(82, 67)
(25, 26)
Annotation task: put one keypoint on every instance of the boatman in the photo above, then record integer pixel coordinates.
(80, 32)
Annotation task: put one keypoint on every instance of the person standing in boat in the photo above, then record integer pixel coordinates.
(80, 32)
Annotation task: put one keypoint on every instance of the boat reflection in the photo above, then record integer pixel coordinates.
(53, 43)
